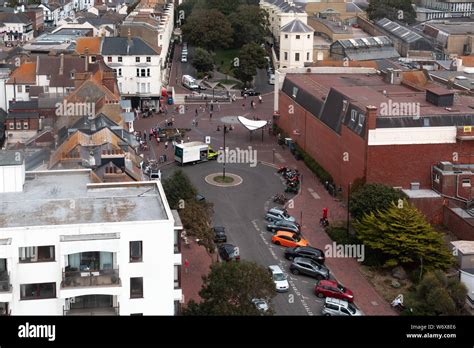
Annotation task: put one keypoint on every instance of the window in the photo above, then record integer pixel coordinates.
(344, 105)
(177, 277)
(25, 125)
(466, 182)
(361, 120)
(177, 244)
(120, 72)
(37, 254)
(298, 37)
(138, 72)
(109, 59)
(308, 36)
(295, 92)
(136, 287)
(148, 72)
(297, 57)
(142, 72)
(37, 291)
(119, 59)
(19, 88)
(286, 36)
(345, 311)
(11, 125)
(307, 56)
(27, 89)
(148, 59)
(137, 59)
(18, 125)
(46, 89)
(136, 251)
(286, 56)
(353, 115)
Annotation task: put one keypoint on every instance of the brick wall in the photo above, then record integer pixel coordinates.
(432, 208)
(461, 228)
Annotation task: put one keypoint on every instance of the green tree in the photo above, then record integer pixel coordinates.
(403, 236)
(178, 188)
(225, 6)
(436, 295)
(209, 29)
(396, 10)
(251, 57)
(203, 61)
(230, 287)
(248, 23)
(372, 197)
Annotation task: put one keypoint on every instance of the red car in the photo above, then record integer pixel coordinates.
(331, 288)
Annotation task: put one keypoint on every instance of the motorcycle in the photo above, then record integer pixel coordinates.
(324, 222)
(292, 188)
(280, 198)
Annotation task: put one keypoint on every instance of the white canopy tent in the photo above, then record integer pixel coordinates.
(252, 125)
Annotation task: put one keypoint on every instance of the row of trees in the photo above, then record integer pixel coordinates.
(396, 10)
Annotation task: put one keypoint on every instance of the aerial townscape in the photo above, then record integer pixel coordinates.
(236, 158)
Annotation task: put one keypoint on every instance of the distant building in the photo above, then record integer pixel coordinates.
(296, 44)
(369, 48)
(17, 27)
(439, 9)
(452, 37)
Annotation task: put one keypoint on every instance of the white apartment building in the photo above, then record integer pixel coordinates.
(69, 246)
(52, 14)
(435, 9)
(296, 44)
(80, 5)
(15, 27)
(282, 12)
(137, 66)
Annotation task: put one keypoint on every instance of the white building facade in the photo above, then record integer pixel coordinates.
(280, 13)
(296, 44)
(86, 249)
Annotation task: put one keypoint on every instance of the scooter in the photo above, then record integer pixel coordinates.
(292, 188)
(280, 198)
(324, 222)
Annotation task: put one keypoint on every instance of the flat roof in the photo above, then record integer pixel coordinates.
(421, 193)
(11, 158)
(464, 246)
(64, 198)
(455, 28)
(368, 89)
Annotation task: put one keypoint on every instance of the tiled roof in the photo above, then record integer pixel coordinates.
(296, 26)
(50, 66)
(119, 46)
(14, 18)
(91, 43)
(24, 74)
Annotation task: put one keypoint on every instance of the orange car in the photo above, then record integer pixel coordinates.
(288, 239)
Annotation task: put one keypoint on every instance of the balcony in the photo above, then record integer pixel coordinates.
(77, 278)
(106, 311)
(102, 305)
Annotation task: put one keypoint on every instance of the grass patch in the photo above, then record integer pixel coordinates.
(223, 180)
(223, 59)
(340, 235)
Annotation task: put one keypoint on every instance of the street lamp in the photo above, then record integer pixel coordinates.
(223, 167)
(348, 205)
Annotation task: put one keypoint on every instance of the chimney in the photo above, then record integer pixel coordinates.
(371, 116)
(61, 64)
(86, 51)
(393, 76)
(129, 37)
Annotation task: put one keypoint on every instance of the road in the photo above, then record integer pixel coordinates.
(240, 210)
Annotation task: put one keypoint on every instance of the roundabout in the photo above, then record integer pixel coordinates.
(217, 179)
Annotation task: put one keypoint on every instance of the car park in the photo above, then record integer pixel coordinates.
(331, 288)
(288, 239)
(219, 234)
(306, 266)
(283, 225)
(279, 278)
(306, 251)
(229, 252)
(277, 214)
(336, 307)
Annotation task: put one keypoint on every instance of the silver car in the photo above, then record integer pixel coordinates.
(277, 214)
(336, 307)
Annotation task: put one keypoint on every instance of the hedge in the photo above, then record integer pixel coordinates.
(314, 166)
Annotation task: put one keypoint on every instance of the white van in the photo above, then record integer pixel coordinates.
(271, 79)
(189, 82)
(279, 278)
(184, 58)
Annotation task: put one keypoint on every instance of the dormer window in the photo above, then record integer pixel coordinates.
(137, 59)
(361, 120)
(72, 75)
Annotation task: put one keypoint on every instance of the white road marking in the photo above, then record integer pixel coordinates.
(313, 193)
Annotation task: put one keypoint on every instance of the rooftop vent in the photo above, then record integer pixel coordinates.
(415, 186)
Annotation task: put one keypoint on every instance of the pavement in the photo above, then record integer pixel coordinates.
(240, 209)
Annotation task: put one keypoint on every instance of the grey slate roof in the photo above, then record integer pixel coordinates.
(118, 46)
(286, 7)
(11, 158)
(398, 30)
(14, 18)
(368, 48)
(296, 26)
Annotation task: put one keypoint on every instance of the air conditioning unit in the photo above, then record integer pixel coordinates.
(415, 186)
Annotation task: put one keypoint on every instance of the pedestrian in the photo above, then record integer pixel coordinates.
(207, 104)
(210, 115)
(187, 139)
(260, 99)
(196, 112)
(212, 107)
(186, 266)
(166, 145)
(218, 106)
(196, 123)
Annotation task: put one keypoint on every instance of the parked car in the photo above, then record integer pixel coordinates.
(271, 79)
(219, 234)
(200, 198)
(283, 225)
(277, 214)
(331, 288)
(261, 304)
(184, 58)
(229, 252)
(249, 93)
(334, 306)
(306, 251)
(279, 278)
(306, 266)
(288, 239)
